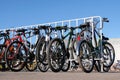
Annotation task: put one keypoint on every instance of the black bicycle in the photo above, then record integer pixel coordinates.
(42, 46)
(90, 55)
(58, 53)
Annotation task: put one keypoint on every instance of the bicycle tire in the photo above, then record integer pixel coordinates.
(106, 69)
(19, 60)
(110, 54)
(43, 67)
(42, 62)
(98, 66)
(88, 65)
(66, 66)
(56, 54)
(31, 64)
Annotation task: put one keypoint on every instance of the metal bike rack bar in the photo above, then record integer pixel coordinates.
(62, 22)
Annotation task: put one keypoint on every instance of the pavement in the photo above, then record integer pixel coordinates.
(70, 75)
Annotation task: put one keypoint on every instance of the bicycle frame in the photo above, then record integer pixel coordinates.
(4, 45)
(7, 42)
(96, 46)
(70, 34)
(93, 26)
(71, 56)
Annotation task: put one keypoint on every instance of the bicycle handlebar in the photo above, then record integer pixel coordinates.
(61, 27)
(21, 30)
(44, 27)
(4, 33)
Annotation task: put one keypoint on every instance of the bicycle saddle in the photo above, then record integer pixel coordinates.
(105, 38)
(44, 27)
(21, 30)
(87, 24)
(61, 27)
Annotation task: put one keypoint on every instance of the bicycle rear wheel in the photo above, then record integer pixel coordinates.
(108, 54)
(66, 65)
(31, 64)
(98, 65)
(86, 58)
(56, 55)
(16, 56)
(99, 68)
(42, 62)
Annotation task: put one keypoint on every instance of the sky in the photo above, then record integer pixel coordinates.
(14, 13)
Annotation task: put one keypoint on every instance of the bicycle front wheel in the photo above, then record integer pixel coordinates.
(31, 64)
(108, 54)
(86, 58)
(56, 55)
(42, 56)
(16, 56)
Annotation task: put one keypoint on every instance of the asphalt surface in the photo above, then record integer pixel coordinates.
(71, 75)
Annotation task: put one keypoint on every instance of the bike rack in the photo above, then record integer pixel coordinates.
(71, 22)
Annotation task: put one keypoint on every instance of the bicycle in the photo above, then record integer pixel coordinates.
(91, 55)
(58, 53)
(32, 48)
(6, 41)
(41, 50)
(43, 45)
(17, 54)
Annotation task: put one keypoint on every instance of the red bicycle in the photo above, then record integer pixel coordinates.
(16, 53)
(5, 39)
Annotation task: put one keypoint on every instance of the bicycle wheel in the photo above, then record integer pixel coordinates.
(66, 65)
(108, 54)
(2, 58)
(73, 52)
(16, 56)
(106, 69)
(31, 64)
(56, 54)
(43, 67)
(74, 63)
(42, 56)
(86, 58)
(98, 65)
